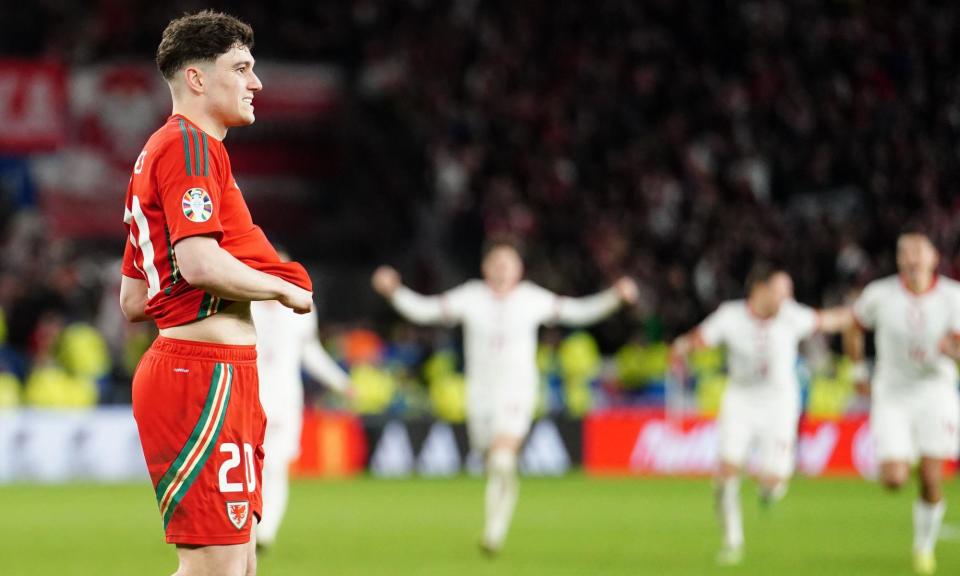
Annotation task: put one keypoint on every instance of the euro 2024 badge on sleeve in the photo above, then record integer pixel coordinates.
(237, 513)
(197, 205)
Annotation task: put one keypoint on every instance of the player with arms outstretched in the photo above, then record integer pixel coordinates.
(761, 404)
(193, 262)
(915, 406)
(500, 315)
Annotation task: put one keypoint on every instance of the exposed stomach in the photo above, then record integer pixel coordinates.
(232, 325)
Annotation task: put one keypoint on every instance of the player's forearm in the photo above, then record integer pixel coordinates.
(219, 273)
(685, 344)
(137, 314)
(853, 343)
(322, 368)
(417, 308)
(589, 309)
(833, 320)
(133, 299)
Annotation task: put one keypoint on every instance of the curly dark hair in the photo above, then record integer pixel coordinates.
(200, 37)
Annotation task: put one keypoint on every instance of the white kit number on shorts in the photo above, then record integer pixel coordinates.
(235, 460)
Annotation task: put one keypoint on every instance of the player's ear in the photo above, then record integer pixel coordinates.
(194, 79)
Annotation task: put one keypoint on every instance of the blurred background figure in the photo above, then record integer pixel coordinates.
(500, 317)
(915, 412)
(286, 344)
(761, 404)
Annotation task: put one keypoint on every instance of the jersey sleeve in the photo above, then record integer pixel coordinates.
(804, 319)
(541, 303)
(713, 330)
(455, 302)
(447, 308)
(188, 184)
(586, 310)
(866, 307)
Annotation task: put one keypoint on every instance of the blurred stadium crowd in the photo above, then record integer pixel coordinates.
(676, 141)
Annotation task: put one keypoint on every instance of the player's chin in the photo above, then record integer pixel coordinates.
(245, 118)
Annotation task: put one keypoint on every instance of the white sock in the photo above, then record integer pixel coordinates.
(774, 492)
(727, 494)
(501, 496)
(926, 524)
(276, 488)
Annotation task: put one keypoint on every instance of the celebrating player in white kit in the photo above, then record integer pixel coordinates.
(915, 406)
(500, 316)
(761, 403)
(286, 342)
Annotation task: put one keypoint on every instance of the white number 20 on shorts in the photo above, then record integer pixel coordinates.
(233, 462)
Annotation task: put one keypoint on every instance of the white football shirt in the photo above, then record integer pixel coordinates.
(760, 352)
(500, 332)
(908, 328)
(286, 343)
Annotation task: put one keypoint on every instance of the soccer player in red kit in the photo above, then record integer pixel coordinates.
(193, 262)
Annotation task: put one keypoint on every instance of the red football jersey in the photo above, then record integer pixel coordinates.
(182, 186)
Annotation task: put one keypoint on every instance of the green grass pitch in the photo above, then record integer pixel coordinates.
(577, 526)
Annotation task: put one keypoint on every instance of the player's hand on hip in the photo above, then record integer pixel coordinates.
(385, 281)
(296, 298)
(627, 290)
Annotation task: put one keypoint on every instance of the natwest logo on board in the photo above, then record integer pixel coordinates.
(668, 447)
(646, 442)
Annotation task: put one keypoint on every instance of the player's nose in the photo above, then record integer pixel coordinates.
(255, 83)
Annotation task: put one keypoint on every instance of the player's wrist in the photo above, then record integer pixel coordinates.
(281, 289)
(395, 291)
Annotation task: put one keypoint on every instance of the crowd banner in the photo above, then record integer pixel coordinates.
(33, 106)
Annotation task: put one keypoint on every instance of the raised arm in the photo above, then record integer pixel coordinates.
(205, 265)
(591, 309)
(415, 307)
(834, 320)
(711, 332)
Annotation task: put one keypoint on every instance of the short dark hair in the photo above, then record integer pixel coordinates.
(914, 228)
(760, 273)
(200, 37)
(492, 244)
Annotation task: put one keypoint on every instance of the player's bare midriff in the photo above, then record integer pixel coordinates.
(232, 325)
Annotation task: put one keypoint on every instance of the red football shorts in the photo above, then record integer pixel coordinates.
(201, 425)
